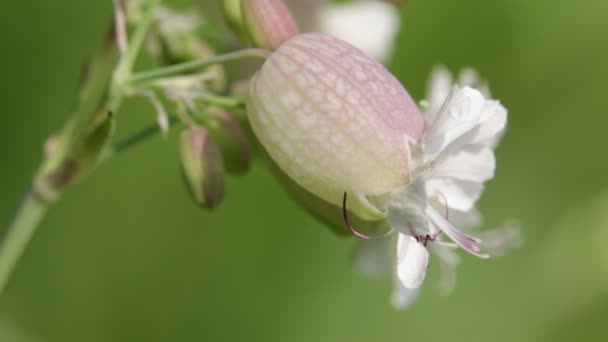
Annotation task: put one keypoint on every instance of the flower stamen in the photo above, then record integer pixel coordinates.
(353, 230)
(445, 204)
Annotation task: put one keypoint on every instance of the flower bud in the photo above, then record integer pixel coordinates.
(231, 9)
(67, 165)
(203, 167)
(232, 141)
(179, 43)
(269, 22)
(334, 120)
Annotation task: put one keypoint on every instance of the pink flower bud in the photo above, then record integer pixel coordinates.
(269, 22)
(202, 166)
(333, 119)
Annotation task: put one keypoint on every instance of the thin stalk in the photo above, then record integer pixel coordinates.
(136, 41)
(218, 100)
(19, 234)
(141, 78)
(33, 208)
(135, 139)
(124, 69)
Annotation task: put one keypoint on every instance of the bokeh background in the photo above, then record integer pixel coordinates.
(126, 256)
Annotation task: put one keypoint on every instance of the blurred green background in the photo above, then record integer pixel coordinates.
(126, 256)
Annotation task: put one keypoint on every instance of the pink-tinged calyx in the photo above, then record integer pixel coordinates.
(333, 119)
(268, 22)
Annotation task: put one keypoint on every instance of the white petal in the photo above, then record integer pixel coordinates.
(402, 297)
(412, 261)
(438, 90)
(460, 113)
(489, 130)
(493, 124)
(475, 164)
(459, 195)
(369, 25)
(374, 257)
(406, 209)
(465, 241)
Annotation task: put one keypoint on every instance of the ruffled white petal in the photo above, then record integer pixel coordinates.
(402, 297)
(460, 195)
(460, 113)
(438, 89)
(493, 124)
(487, 132)
(406, 209)
(372, 26)
(475, 164)
(374, 257)
(412, 261)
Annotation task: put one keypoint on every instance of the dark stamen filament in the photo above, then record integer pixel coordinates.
(353, 230)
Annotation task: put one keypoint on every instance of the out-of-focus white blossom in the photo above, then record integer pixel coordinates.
(372, 26)
(369, 25)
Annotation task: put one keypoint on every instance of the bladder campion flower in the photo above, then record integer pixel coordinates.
(338, 123)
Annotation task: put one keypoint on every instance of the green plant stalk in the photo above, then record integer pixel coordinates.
(33, 208)
(22, 229)
(125, 67)
(147, 77)
(95, 98)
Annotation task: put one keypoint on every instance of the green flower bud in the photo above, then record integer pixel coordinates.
(202, 166)
(178, 42)
(66, 165)
(234, 17)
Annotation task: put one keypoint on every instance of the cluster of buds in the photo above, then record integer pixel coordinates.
(214, 141)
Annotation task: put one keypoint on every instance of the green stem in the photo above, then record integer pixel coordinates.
(33, 208)
(141, 78)
(222, 101)
(124, 69)
(19, 234)
(139, 35)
